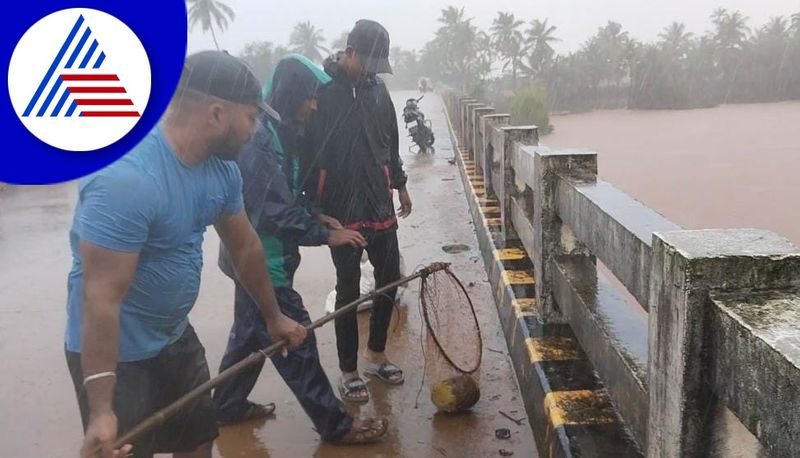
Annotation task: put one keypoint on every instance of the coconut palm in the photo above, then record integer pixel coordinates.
(539, 38)
(676, 39)
(307, 40)
(207, 13)
(508, 42)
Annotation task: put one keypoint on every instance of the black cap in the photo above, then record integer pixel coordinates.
(219, 74)
(371, 41)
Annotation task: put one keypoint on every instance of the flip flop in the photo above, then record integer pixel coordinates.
(386, 372)
(348, 388)
(364, 431)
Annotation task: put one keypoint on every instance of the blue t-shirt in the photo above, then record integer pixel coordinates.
(151, 203)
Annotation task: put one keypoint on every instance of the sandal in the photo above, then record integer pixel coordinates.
(349, 388)
(255, 411)
(364, 431)
(388, 372)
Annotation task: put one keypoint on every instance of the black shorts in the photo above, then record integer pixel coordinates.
(143, 387)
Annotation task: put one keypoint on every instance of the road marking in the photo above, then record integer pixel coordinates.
(542, 349)
(510, 254)
(579, 407)
(517, 277)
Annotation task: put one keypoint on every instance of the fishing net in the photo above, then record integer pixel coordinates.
(451, 321)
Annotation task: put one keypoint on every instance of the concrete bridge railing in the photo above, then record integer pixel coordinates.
(719, 319)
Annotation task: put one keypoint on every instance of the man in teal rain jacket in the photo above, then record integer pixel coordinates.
(284, 221)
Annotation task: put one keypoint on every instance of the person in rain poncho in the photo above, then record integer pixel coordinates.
(269, 165)
(353, 166)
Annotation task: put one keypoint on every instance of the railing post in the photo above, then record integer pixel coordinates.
(467, 117)
(686, 267)
(503, 179)
(462, 109)
(475, 142)
(551, 237)
(488, 123)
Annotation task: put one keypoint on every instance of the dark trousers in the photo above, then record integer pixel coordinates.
(384, 256)
(145, 386)
(301, 369)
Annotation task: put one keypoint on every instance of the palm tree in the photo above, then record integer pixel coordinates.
(731, 28)
(508, 41)
(307, 40)
(539, 38)
(614, 47)
(208, 12)
(340, 43)
(676, 39)
(730, 36)
(451, 16)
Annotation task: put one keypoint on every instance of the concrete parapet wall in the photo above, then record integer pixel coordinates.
(718, 331)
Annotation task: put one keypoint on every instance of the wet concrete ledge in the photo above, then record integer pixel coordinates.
(615, 227)
(700, 356)
(579, 289)
(568, 407)
(755, 350)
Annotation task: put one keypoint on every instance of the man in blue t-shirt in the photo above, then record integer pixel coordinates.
(137, 241)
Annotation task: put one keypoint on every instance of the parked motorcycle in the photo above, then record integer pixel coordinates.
(420, 129)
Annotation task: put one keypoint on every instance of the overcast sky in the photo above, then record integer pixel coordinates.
(411, 23)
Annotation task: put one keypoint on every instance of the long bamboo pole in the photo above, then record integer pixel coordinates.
(169, 411)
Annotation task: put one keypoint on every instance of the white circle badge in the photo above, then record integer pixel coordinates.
(79, 79)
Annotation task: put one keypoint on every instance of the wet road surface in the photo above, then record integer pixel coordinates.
(39, 412)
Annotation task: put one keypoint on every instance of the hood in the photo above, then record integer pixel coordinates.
(295, 80)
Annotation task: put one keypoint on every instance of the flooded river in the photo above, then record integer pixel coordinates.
(724, 167)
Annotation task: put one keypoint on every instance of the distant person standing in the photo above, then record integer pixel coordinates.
(353, 163)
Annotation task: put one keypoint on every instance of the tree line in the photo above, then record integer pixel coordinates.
(730, 63)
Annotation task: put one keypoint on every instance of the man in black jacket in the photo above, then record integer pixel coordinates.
(352, 165)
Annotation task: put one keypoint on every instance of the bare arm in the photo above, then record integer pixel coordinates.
(107, 275)
(249, 263)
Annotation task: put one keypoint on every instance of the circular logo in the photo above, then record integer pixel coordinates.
(79, 79)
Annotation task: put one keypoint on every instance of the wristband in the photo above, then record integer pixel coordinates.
(98, 376)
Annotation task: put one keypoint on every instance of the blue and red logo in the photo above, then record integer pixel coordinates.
(85, 85)
(92, 90)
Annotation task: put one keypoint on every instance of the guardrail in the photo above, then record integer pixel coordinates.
(718, 324)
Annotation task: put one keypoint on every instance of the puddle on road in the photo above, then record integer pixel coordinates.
(455, 248)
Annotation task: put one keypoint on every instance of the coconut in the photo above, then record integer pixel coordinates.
(455, 394)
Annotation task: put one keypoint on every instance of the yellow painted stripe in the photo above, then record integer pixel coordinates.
(517, 277)
(553, 349)
(524, 307)
(490, 209)
(579, 407)
(494, 222)
(487, 201)
(510, 254)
